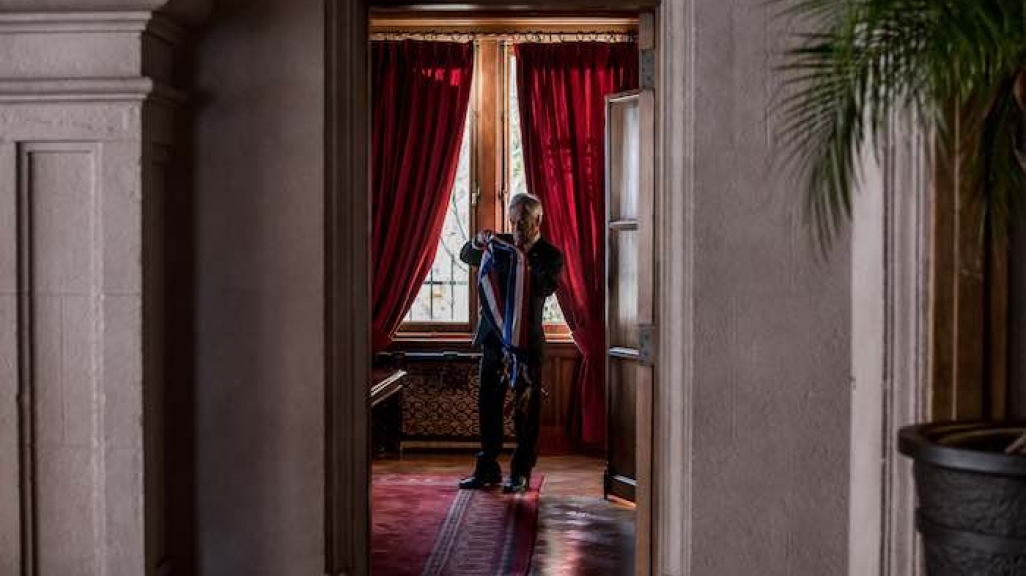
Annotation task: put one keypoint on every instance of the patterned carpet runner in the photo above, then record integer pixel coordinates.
(425, 525)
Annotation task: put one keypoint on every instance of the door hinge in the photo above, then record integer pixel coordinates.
(647, 67)
(646, 344)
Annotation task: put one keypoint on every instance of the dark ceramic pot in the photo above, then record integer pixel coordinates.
(972, 497)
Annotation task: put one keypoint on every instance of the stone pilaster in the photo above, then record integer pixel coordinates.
(87, 116)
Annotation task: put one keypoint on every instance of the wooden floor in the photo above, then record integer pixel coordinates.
(579, 533)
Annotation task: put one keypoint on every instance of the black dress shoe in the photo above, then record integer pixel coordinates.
(476, 482)
(517, 483)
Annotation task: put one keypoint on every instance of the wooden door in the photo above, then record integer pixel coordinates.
(629, 306)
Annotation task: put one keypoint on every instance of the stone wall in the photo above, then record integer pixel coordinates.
(87, 149)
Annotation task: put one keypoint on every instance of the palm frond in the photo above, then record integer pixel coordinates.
(858, 65)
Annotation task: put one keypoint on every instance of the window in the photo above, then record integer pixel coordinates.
(491, 170)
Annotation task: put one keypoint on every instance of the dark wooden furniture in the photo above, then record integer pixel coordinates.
(385, 382)
(440, 387)
(386, 409)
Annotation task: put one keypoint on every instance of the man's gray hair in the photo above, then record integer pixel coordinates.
(530, 202)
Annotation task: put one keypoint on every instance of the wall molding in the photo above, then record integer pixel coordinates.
(30, 443)
(63, 22)
(186, 11)
(58, 22)
(130, 89)
(891, 243)
(907, 368)
(25, 360)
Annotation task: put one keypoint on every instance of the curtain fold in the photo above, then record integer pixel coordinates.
(420, 95)
(562, 88)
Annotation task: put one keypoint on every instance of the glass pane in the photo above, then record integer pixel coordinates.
(552, 313)
(624, 160)
(515, 150)
(623, 291)
(445, 294)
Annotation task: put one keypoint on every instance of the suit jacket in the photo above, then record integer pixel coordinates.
(546, 262)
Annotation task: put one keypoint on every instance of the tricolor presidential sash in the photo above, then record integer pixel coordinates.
(507, 304)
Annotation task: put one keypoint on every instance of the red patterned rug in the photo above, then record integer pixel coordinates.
(425, 525)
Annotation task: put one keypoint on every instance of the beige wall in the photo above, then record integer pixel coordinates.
(259, 289)
(772, 358)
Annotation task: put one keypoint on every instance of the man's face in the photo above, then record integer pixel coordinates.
(525, 226)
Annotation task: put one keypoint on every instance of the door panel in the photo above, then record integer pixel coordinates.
(622, 379)
(623, 181)
(623, 292)
(629, 307)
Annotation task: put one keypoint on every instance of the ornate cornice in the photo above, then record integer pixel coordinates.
(186, 12)
(161, 24)
(47, 22)
(39, 6)
(90, 90)
(128, 66)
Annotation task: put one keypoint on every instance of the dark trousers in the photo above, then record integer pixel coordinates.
(491, 401)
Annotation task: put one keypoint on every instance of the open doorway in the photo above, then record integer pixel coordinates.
(458, 174)
(348, 135)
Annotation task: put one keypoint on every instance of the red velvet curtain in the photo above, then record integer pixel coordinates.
(420, 93)
(562, 89)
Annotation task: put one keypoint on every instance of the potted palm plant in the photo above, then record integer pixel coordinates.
(868, 67)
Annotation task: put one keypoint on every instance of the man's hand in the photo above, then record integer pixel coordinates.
(483, 237)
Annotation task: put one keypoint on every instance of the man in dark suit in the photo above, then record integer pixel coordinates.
(546, 264)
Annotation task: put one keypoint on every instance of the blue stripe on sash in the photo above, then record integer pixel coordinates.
(504, 305)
